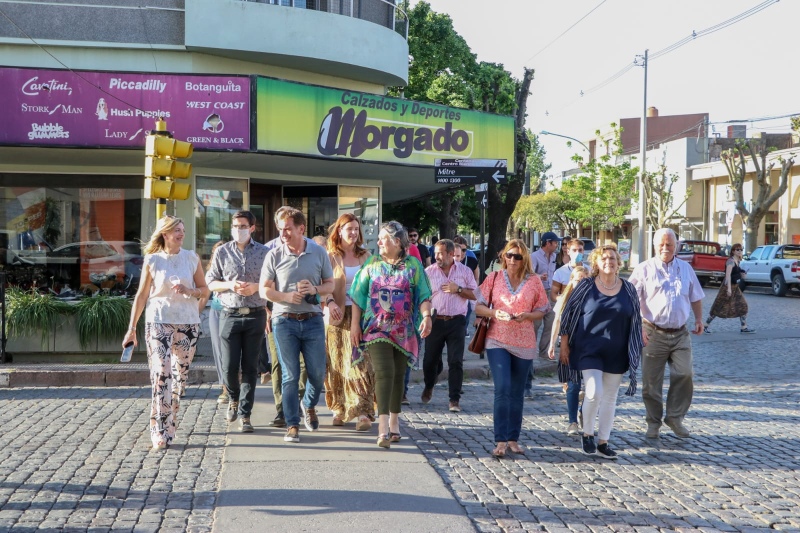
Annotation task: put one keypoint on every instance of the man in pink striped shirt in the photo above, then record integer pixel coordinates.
(453, 284)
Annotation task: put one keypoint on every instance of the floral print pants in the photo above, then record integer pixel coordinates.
(170, 350)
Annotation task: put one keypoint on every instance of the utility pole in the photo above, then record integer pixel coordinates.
(643, 253)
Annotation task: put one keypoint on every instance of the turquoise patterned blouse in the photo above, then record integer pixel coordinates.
(390, 297)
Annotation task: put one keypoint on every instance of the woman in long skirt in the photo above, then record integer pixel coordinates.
(730, 302)
(349, 389)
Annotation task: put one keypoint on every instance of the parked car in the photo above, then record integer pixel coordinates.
(775, 265)
(705, 258)
(588, 244)
(95, 262)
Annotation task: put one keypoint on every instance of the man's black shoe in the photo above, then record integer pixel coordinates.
(278, 422)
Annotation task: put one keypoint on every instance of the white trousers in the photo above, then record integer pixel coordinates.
(600, 402)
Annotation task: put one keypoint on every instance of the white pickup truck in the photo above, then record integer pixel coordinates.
(774, 265)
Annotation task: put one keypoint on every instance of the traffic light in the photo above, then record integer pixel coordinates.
(162, 166)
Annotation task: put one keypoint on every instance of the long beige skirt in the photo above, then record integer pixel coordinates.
(349, 389)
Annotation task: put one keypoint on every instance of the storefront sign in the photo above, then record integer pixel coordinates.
(112, 110)
(306, 119)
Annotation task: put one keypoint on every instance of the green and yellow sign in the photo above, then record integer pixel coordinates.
(341, 124)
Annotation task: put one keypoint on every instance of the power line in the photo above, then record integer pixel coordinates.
(674, 46)
(99, 88)
(565, 31)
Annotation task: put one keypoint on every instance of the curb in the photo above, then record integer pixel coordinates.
(17, 377)
(31, 376)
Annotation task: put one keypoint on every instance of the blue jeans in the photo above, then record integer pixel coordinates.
(573, 399)
(508, 373)
(291, 338)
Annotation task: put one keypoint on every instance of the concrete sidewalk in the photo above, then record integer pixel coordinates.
(335, 479)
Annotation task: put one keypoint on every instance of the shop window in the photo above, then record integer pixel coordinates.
(318, 203)
(216, 201)
(364, 203)
(771, 228)
(71, 234)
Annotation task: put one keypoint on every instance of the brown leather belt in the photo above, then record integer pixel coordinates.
(448, 317)
(664, 330)
(300, 316)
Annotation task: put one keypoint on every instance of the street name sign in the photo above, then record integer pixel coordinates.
(455, 171)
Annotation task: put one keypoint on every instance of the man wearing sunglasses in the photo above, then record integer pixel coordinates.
(543, 262)
(424, 254)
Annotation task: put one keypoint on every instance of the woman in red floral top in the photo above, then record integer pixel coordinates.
(513, 298)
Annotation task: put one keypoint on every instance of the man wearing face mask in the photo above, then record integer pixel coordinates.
(234, 274)
(561, 276)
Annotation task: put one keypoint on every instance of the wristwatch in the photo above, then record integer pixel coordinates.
(460, 289)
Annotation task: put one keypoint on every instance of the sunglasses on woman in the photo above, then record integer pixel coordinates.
(515, 257)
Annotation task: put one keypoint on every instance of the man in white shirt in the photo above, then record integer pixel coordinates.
(561, 276)
(668, 291)
(543, 262)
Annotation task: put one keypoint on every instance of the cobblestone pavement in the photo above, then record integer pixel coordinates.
(740, 471)
(79, 458)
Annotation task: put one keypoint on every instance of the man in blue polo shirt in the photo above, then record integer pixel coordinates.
(293, 276)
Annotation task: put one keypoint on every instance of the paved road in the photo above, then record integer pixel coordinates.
(78, 459)
(740, 471)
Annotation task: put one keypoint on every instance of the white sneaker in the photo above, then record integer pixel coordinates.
(572, 429)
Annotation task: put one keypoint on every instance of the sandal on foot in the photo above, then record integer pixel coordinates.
(383, 441)
(394, 437)
(500, 450)
(516, 448)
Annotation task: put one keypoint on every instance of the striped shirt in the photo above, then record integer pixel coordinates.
(450, 304)
(542, 264)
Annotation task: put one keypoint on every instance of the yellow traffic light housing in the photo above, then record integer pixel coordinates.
(161, 166)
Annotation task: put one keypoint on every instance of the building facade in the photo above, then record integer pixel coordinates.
(284, 101)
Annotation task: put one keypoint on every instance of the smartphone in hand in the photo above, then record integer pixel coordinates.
(127, 352)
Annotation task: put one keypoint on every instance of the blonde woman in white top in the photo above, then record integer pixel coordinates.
(172, 282)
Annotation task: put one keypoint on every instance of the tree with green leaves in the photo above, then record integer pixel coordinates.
(764, 195)
(444, 70)
(543, 212)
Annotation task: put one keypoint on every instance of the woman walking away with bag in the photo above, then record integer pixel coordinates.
(172, 281)
(730, 302)
(391, 315)
(571, 380)
(513, 297)
(349, 389)
(601, 337)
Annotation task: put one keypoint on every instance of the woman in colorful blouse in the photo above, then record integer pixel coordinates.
(391, 313)
(172, 279)
(514, 297)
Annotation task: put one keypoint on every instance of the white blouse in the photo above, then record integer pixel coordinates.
(164, 306)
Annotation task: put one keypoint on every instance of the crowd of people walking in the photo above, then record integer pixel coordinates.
(324, 315)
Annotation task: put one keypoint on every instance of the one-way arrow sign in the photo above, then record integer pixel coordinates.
(454, 171)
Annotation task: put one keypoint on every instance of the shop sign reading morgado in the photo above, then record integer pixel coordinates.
(306, 119)
(118, 109)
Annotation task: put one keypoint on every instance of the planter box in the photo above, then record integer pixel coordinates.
(64, 340)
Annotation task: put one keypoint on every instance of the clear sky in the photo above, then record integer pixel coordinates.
(745, 71)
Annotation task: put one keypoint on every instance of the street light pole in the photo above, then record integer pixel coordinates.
(643, 253)
(543, 132)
